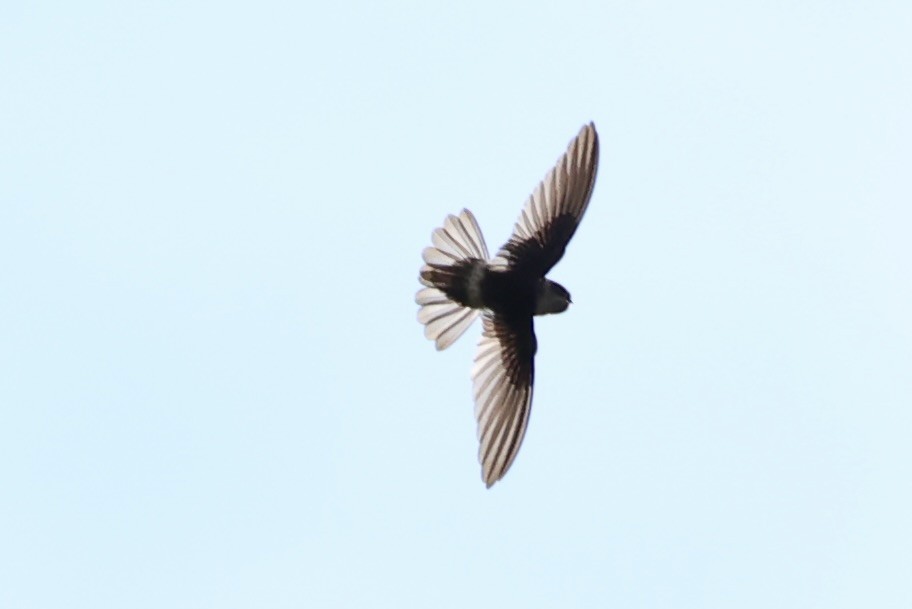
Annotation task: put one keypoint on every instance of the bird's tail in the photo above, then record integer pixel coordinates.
(451, 273)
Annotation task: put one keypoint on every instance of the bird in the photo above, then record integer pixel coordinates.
(460, 282)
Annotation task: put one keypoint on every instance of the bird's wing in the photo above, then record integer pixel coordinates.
(502, 384)
(552, 213)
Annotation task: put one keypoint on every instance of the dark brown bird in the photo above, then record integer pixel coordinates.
(461, 282)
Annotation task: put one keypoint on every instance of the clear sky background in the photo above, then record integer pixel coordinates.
(214, 391)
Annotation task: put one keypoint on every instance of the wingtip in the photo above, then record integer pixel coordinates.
(488, 479)
(590, 128)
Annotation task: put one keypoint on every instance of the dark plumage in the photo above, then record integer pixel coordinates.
(508, 290)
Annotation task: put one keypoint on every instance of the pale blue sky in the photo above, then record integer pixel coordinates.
(214, 391)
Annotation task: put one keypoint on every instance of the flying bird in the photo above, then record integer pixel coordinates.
(461, 282)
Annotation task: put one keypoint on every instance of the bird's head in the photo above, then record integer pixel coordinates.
(552, 297)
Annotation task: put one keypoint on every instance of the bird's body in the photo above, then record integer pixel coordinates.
(461, 282)
(504, 291)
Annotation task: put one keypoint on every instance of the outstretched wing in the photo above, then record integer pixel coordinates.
(502, 383)
(551, 215)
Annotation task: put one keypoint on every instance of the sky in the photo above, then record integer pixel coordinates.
(213, 388)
